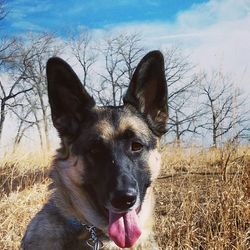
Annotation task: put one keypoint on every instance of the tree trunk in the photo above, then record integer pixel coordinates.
(46, 133)
(44, 119)
(177, 133)
(214, 129)
(17, 137)
(214, 138)
(113, 94)
(2, 117)
(40, 135)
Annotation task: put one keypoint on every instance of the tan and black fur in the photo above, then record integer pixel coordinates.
(105, 151)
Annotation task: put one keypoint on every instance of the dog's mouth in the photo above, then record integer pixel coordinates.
(124, 228)
(123, 225)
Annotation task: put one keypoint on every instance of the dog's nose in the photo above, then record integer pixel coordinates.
(124, 199)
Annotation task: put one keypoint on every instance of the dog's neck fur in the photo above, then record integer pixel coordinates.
(72, 200)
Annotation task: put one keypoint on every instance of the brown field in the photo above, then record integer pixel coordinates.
(203, 197)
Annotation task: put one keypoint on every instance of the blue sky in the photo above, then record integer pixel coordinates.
(213, 33)
(58, 16)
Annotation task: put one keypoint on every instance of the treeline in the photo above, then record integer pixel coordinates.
(205, 106)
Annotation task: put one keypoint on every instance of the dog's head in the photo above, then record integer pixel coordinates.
(111, 152)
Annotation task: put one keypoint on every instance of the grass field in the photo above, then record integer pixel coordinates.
(203, 197)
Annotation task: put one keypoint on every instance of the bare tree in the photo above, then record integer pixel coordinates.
(7, 100)
(182, 87)
(23, 125)
(183, 116)
(9, 87)
(111, 80)
(11, 81)
(8, 52)
(32, 61)
(85, 54)
(121, 54)
(131, 51)
(28, 117)
(223, 105)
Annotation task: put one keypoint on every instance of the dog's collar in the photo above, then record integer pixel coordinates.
(75, 224)
(93, 240)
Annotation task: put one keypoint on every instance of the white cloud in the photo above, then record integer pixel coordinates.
(224, 38)
(213, 12)
(215, 34)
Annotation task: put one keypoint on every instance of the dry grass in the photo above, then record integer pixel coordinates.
(16, 211)
(203, 198)
(22, 170)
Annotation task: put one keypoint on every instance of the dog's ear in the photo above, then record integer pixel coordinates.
(147, 91)
(68, 99)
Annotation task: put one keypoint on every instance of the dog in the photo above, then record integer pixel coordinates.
(104, 171)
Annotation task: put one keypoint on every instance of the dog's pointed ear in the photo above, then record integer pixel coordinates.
(68, 99)
(147, 91)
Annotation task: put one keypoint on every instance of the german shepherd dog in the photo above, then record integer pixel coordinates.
(104, 170)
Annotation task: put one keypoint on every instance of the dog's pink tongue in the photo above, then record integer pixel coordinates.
(123, 228)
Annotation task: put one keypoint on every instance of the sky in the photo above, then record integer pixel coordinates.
(214, 34)
(37, 15)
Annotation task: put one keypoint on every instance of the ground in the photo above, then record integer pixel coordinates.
(203, 197)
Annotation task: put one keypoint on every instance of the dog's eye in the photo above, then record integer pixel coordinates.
(136, 146)
(94, 151)
(95, 147)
